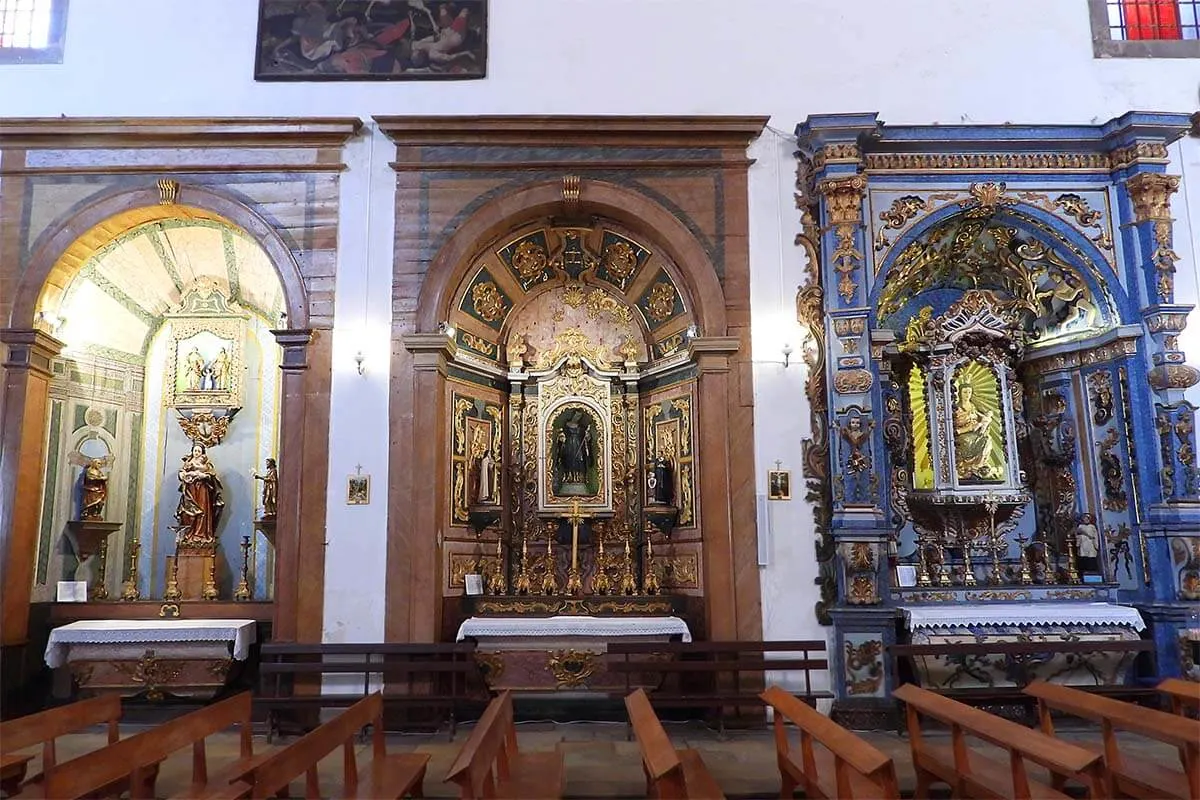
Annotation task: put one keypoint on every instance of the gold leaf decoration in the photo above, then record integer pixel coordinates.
(661, 302)
(489, 304)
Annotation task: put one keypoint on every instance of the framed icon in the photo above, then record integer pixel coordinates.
(358, 490)
(779, 484)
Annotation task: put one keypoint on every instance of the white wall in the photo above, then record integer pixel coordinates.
(913, 61)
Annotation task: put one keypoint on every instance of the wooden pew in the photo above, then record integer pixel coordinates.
(1184, 695)
(490, 764)
(1133, 777)
(846, 766)
(387, 776)
(974, 774)
(43, 728)
(670, 773)
(138, 757)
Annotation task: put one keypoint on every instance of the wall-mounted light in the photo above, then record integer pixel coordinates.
(447, 328)
(358, 361)
(787, 355)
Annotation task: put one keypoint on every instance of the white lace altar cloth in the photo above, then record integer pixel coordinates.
(600, 627)
(237, 632)
(966, 615)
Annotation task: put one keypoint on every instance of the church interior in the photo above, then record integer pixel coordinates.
(373, 375)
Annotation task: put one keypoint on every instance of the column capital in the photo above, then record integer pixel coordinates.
(430, 351)
(29, 348)
(712, 353)
(295, 342)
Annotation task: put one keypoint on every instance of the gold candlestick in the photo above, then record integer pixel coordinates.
(600, 583)
(574, 581)
(210, 580)
(1072, 568)
(172, 594)
(628, 581)
(100, 590)
(129, 589)
(1026, 577)
(523, 584)
(923, 578)
(496, 584)
(243, 591)
(943, 573)
(549, 579)
(650, 579)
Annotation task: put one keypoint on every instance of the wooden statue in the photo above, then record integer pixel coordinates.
(95, 490)
(270, 486)
(200, 500)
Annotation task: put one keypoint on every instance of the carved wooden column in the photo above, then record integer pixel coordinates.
(294, 365)
(22, 467)
(423, 518)
(718, 485)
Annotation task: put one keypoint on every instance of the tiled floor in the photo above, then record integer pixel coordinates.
(600, 763)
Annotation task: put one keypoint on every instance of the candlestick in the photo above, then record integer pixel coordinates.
(129, 589)
(650, 579)
(600, 583)
(628, 582)
(172, 594)
(210, 580)
(1026, 577)
(523, 583)
(549, 579)
(496, 584)
(100, 590)
(574, 582)
(243, 591)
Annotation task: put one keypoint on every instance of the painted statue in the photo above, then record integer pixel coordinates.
(972, 438)
(200, 500)
(574, 453)
(270, 487)
(1087, 544)
(194, 370)
(95, 490)
(218, 371)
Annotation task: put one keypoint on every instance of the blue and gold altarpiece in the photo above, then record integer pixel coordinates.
(996, 381)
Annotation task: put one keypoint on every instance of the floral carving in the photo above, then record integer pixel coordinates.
(661, 302)
(619, 260)
(487, 301)
(600, 302)
(529, 260)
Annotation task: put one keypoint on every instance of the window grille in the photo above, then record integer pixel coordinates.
(1153, 20)
(25, 23)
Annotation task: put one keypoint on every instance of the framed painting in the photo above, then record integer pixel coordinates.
(371, 40)
(779, 484)
(358, 490)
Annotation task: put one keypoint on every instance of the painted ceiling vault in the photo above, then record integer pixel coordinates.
(119, 296)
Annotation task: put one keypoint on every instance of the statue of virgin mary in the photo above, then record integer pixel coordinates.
(200, 501)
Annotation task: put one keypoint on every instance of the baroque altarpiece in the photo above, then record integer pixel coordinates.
(997, 389)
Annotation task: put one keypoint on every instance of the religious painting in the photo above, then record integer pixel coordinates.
(360, 40)
(358, 490)
(203, 363)
(779, 484)
(922, 447)
(979, 450)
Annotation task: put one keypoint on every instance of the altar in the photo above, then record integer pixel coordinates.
(560, 653)
(155, 658)
(980, 623)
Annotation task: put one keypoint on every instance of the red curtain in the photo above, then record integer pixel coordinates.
(1151, 19)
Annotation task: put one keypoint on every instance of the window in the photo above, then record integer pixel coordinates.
(31, 31)
(1146, 28)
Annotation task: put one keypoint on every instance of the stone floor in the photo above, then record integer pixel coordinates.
(600, 763)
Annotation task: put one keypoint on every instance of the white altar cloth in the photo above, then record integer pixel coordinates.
(600, 627)
(238, 632)
(1046, 613)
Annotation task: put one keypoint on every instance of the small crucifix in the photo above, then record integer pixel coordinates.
(574, 582)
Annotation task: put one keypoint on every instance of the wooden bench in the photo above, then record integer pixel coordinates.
(1184, 695)
(137, 758)
(44, 728)
(437, 678)
(1135, 777)
(1021, 659)
(974, 774)
(714, 675)
(845, 766)
(389, 776)
(670, 773)
(491, 765)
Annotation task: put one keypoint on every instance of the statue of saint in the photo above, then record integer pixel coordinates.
(95, 490)
(194, 370)
(200, 500)
(972, 438)
(218, 371)
(1087, 544)
(573, 453)
(486, 471)
(270, 486)
(662, 473)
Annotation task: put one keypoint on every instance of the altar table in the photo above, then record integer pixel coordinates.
(560, 654)
(1026, 622)
(182, 657)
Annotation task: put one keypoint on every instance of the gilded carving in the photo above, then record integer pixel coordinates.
(849, 326)
(530, 260)
(838, 152)
(843, 207)
(571, 668)
(684, 406)
(491, 665)
(661, 302)
(880, 162)
(670, 345)
(619, 260)
(574, 295)
(574, 343)
(151, 672)
(1173, 376)
(903, 210)
(679, 572)
(600, 302)
(168, 191)
(1111, 472)
(864, 667)
(1077, 207)
(853, 381)
(460, 492)
(1100, 383)
(461, 406)
(487, 301)
(204, 428)
(1151, 194)
(1140, 152)
(479, 345)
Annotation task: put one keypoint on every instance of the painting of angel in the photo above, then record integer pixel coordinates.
(314, 40)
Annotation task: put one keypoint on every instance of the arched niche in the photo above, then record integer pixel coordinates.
(69, 245)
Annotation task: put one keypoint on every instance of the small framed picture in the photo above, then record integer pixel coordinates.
(779, 484)
(358, 490)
